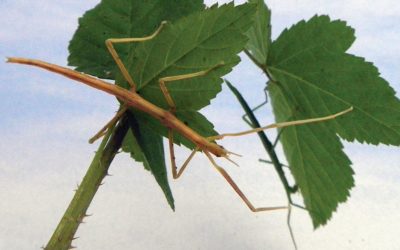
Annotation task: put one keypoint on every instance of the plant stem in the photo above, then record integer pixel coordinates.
(260, 65)
(269, 147)
(98, 169)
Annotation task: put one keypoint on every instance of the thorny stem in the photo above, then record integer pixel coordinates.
(98, 170)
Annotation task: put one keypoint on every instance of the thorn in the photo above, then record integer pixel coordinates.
(101, 184)
(80, 219)
(77, 187)
(74, 238)
(72, 247)
(108, 174)
(87, 215)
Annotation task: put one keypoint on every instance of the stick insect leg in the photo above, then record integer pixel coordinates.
(176, 174)
(237, 189)
(117, 59)
(167, 79)
(112, 122)
(282, 125)
(172, 108)
(109, 44)
(245, 117)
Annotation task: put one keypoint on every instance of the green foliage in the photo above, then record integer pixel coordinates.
(150, 145)
(194, 43)
(260, 33)
(120, 19)
(311, 75)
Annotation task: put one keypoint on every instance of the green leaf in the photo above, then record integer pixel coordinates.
(151, 147)
(320, 167)
(192, 44)
(146, 146)
(119, 19)
(131, 146)
(317, 33)
(260, 33)
(314, 77)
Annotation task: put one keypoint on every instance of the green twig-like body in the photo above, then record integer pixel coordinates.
(269, 147)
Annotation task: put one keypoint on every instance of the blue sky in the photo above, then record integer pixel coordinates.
(46, 121)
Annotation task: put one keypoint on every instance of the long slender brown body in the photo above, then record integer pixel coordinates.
(132, 99)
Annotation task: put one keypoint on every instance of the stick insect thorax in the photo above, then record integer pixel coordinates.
(132, 99)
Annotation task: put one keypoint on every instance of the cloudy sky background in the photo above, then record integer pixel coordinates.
(46, 121)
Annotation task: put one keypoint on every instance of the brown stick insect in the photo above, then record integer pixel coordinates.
(132, 99)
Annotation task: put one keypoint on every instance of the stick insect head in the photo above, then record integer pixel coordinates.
(224, 152)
